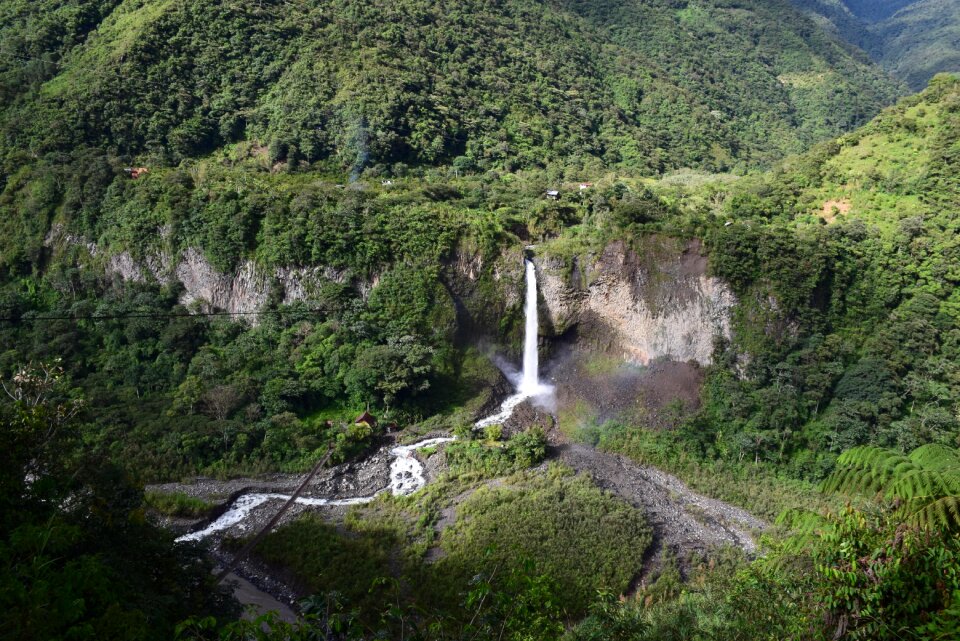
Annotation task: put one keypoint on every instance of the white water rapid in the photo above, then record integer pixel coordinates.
(529, 385)
(406, 477)
(244, 505)
(406, 471)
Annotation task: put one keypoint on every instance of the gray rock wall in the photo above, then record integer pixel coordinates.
(246, 290)
(648, 302)
(657, 302)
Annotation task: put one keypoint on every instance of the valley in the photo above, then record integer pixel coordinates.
(685, 525)
(617, 320)
(913, 39)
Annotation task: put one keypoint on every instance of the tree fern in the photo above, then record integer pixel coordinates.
(936, 457)
(924, 485)
(804, 526)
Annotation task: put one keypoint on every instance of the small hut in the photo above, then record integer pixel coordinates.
(136, 172)
(366, 418)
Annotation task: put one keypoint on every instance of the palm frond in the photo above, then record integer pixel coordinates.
(804, 525)
(866, 470)
(924, 483)
(936, 457)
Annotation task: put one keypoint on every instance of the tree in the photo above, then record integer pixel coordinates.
(890, 569)
(221, 401)
(188, 394)
(527, 448)
(389, 372)
(78, 560)
(40, 411)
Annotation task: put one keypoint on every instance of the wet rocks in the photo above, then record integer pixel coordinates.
(527, 415)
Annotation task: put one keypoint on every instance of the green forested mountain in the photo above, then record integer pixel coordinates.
(229, 227)
(920, 40)
(857, 243)
(913, 39)
(649, 85)
(837, 16)
(871, 221)
(876, 10)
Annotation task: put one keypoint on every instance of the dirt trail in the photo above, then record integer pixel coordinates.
(683, 521)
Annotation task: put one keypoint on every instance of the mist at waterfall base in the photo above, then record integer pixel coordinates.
(526, 382)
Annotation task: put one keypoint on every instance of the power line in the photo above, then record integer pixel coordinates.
(156, 316)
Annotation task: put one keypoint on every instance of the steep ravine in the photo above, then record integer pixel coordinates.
(685, 523)
(644, 305)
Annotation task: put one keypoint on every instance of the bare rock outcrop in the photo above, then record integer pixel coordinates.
(245, 291)
(485, 291)
(242, 291)
(124, 266)
(653, 302)
(249, 288)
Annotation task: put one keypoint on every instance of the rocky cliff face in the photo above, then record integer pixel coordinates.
(250, 287)
(649, 303)
(244, 291)
(646, 303)
(488, 294)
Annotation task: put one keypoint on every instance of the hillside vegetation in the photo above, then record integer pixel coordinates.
(913, 39)
(839, 17)
(876, 10)
(856, 242)
(919, 41)
(251, 118)
(642, 85)
(400, 153)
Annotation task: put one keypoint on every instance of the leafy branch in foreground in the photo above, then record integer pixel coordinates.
(888, 570)
(924, 485)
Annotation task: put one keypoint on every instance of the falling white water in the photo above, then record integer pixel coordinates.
(529, 385)
(530, 381)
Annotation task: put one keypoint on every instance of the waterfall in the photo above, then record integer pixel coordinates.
(528, 385)
(530, 382)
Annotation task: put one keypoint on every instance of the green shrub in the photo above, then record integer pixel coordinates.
(580, 536)
(177, 504)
